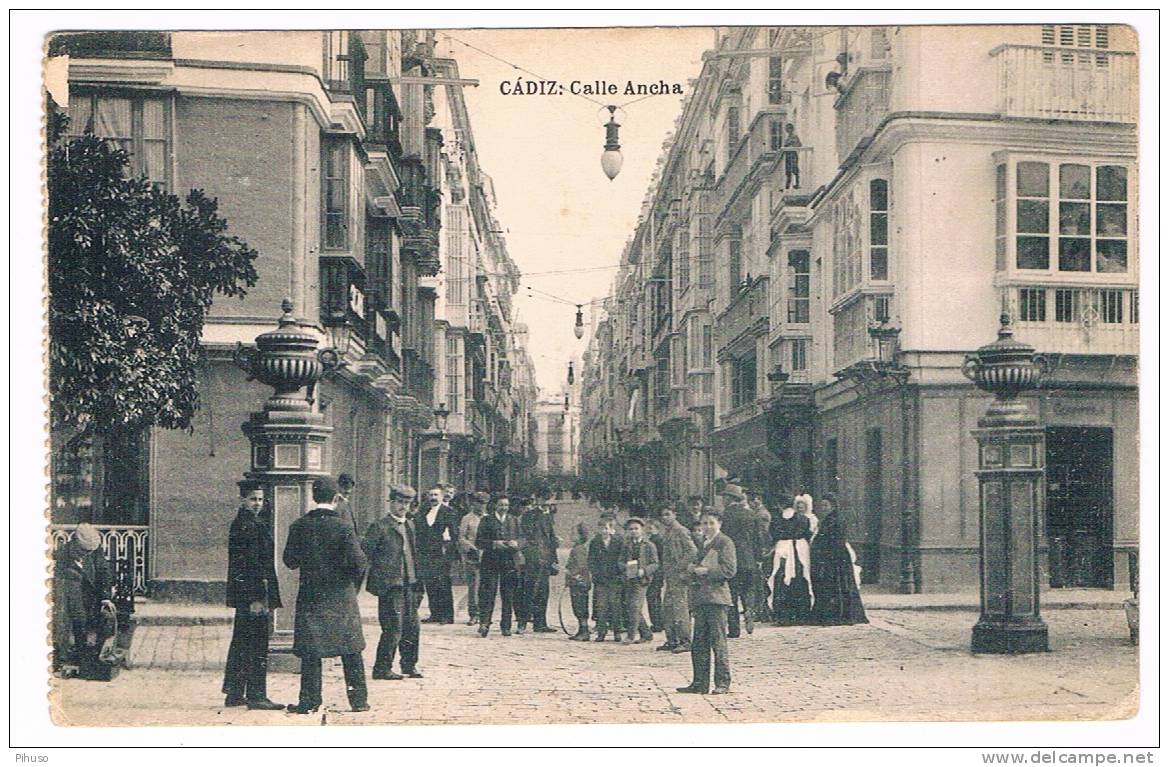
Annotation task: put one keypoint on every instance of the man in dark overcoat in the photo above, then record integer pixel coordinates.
(392, 551)
(252, 589)
(438, 532)
(82, 585)
(499, 539)
(540, 560)
(743, 526)
(328, 624)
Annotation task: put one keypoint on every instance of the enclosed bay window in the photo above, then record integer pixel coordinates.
(1067, 217)
(879, 229)
(799, 287)
(735, 265)
(140, 125)
(335, 158)
(799, 355)
(742, 374)
(775, 80)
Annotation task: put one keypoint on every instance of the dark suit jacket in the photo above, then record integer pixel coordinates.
(326, 551)
(607, 563)
(78, 589)
(434, 552)
(492, 532)
(384, 547)
(251, 562)
(745, 528)
(540, 542)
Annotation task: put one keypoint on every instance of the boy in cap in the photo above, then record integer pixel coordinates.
(641, 562)
(579, 581)
(713, 567)
(82, 586)
(252, 589)
(392, 550)
(606, 567)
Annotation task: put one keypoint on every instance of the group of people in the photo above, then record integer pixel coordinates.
(408, 552)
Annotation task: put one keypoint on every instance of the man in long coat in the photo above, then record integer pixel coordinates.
(743, 526)
(540, 544)
(677, 553)
(252, 589)
(437, 531)
(82, 585)
(392, 551)
(325, 549)
(500, 540)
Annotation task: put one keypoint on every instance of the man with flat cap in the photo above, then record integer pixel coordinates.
(742, 526)
(325, 549)
(470, 554)
(82, 586)
(391, 548)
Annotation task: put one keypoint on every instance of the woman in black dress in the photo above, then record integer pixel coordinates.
(791, 597)
(837, 600)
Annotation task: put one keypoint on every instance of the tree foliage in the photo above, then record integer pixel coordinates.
(132, 272)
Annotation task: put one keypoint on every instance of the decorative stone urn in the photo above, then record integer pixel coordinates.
(1005, 368)
(286, 359)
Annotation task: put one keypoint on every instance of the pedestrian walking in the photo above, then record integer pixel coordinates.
(498, 538)
(470, 554)
(606, 566)
(252, 589)
(641, 562)
(713, 568)
(391, 547)
(836, 598)
(762, 555)
(676, 554)
(579, 582)
(326, 551)
(437, 530)
(82, 587)
(540, 563)
(743, 527)
(347, 485)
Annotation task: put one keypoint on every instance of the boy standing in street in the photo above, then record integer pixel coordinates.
(640, 565)
(606, 566)
(253, 591)
(710, 597)
(579, 581)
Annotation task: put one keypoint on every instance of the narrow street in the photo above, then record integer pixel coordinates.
(904, 665)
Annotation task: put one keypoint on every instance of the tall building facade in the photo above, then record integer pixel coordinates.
(840, 215)
(324, 154)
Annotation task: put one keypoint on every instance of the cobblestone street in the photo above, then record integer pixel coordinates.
(904, 665)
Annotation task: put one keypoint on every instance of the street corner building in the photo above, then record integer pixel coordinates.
(839, 217)
(347, 160)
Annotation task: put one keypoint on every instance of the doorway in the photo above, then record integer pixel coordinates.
(1079, 506)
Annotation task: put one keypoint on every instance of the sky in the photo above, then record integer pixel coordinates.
(543, 153)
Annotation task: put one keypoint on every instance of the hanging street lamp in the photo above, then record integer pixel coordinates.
(578, 328)
(611, 158)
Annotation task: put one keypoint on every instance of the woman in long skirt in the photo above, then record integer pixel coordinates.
(790, 591)
(837, 599)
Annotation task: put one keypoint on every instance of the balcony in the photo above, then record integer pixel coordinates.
(740, 415)
(1061, 83)
(786, 194)
(746, 315)
(1080, 320)
(755, 154)
(383, 116)
(861, 108)
(344, 67)
(343, 294)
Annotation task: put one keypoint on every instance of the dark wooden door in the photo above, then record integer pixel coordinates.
(1079, 506)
